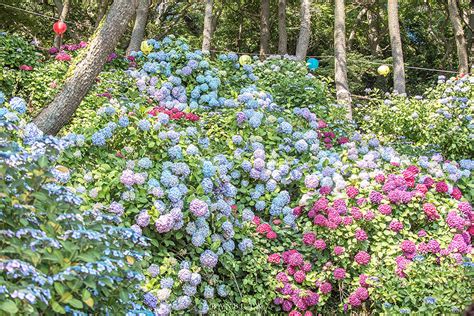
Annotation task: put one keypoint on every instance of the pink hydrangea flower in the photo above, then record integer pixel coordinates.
(320, 244)
(363, 280)
(441, 187)
(362, 293)
(299, 276)
(338, 250)
(455, 221)
(325, 288)
(295, 259)
(339, 273)
(408, 246)
(396, 226)
(430, 211)
(352, 192)
(362, 258)
(307, 266)
(274, 258)
(354, 300)
(385, 209)
(369, 216)
(309, 238)
(361, 235)
(271, 235)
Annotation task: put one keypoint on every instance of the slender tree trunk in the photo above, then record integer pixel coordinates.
(396, 44)
(103, 5)
(138, 32)
(355, 26)
(264, 27)
(282, 33)
(63, 10)
(461, 44)
(305, 30)
(471, 37)
(207, 32)
(342, 87)
(52, 118)
(374, 31)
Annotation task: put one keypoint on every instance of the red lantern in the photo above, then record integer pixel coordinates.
(59, 27)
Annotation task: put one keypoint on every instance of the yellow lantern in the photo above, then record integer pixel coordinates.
(383, 70)
(146, 48)
(245, 59)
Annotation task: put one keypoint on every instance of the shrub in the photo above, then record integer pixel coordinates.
(54, 256)
(441, 121)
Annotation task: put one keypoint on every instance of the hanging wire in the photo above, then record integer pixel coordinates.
(32, 12)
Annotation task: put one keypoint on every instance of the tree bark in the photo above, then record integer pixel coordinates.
(305, 30)
(374, 31)
(207, 32)
(342, 87)
(461, 45)
(138, 32)
(396, 44)
(52, 118)
(471, 37)
(282, 33)
(63, 10)
(264, 27)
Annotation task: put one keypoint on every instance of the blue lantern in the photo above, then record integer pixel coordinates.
(312, 63)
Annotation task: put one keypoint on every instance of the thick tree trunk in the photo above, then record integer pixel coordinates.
(138, 33)
(264, 27)
(282, 33)
(305, 30)
(342, 87)
(396, 44)
(461, 44)
(207, 32)
(60, 110)
(63, 10)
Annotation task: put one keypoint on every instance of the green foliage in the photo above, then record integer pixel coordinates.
(54, 257)
(440, 121)
(16, 51)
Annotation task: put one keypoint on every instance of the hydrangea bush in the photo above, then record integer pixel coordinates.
(56, 257)
(441, 121)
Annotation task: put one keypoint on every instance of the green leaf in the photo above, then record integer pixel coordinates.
(57, 308)
(76, 303)
(9, 306)
(59, 288)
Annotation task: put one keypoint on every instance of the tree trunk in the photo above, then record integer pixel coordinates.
(52, 118)
(373, 35)
(264, 27)
(355, 26)
(471, 37)
(374, 31)
(305, 30)
(207, 32)
(396, 44)
(461, 44)
(282, 33)
(103, 5)
(342, 87)
(138, 32)
(63, 10)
